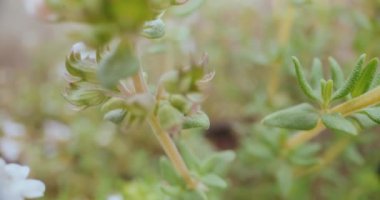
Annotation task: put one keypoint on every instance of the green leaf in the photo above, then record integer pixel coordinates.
(217, 162)
(299, 117)
(326, 91)
(337, 74)
(214, 181)
(337, 123)
(168, 172)
(284, 177)
(373, 114)
(316, 74)
(351, 81)
(366, 78)
(197, 120)
(189, 158)
(306, 88)
(118, 64)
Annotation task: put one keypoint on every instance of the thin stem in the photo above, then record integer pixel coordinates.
(285, 21)
(164, 138)
(368, 99)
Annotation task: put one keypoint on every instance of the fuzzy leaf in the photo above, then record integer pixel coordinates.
(189, 158)
(214, 181)
(284, 177)
(336, 73)
(327, 90)
(373, 114)
(118, 64)
(337, 123)
(351, 81)
(366, 78)
(299, 117)
(197, 120)
(305, 86)
(316, 74)
(217, 162)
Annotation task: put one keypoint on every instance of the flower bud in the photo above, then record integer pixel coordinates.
(181, 103)
(112, 104)
(170, 118)
(85, 97)
(154, 29)
(115, 116)
(197, 120)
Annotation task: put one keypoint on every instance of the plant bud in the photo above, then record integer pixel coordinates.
(170, 81)
(170, 118)
(84, 97)
(112, 104)
(154, 29)
(140, 104)
(181, 103)
(115, 116)
(197, 120)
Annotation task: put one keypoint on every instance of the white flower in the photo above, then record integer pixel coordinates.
(84, 51)
(10, 145)
(15, 186)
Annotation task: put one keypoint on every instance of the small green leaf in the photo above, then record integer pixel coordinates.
(300, 117)
(197, 120)
(316, 74)
(217, 162)
(284, 177)
(373, 114)
(190, 159)
(351, 81)
(118, 64)
(366, 78)
(214, 181)
(337, 123)
(306, 88)
(337, 74)
(326, 90)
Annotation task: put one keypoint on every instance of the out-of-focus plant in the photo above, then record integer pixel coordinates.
(344, 107)
(105, 70)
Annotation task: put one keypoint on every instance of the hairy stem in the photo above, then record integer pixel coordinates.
(164, 138)
(368, 99)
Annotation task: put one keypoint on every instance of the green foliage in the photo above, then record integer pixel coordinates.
(118, 64)
(339, 124)
(300, 117)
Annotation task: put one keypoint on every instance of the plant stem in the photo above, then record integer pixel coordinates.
(164, 138)
(368, 99)
(285, 21)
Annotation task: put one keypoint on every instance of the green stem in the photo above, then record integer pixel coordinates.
(164, 138)
(368, 99)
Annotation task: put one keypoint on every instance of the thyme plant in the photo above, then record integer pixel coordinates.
(105, 70)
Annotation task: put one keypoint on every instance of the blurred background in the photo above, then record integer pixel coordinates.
(249, 42)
